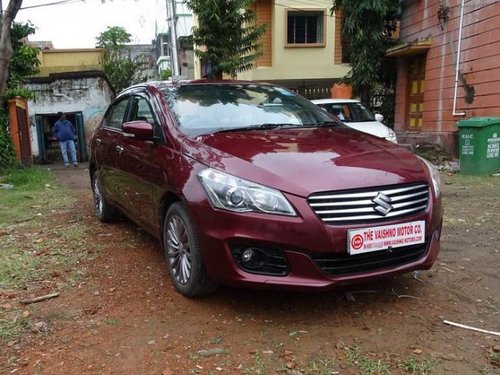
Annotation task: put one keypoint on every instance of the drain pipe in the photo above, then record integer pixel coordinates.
(457, 68)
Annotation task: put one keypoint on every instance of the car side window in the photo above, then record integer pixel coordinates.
(144, 111)
(141, 110)
(115, 117)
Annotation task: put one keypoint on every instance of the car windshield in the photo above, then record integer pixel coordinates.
(209, 108)
(349, 112)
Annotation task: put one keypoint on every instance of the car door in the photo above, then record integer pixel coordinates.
(106, 152)
(139, 166)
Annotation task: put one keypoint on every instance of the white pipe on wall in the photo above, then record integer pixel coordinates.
(457, 68)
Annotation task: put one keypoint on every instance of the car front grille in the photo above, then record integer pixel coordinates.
(367, 205)
(345, 264)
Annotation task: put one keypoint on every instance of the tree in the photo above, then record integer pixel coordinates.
(367, 27)
(114, 40)
(226, 36)
(24, 62)
(120, 69)
(6, 50)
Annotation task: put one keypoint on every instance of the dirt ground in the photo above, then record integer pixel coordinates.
(124, 317)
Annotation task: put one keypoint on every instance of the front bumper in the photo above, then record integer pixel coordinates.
(307, 246)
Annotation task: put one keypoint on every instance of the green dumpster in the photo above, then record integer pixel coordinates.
(479, 145)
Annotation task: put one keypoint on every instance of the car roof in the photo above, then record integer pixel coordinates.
(159, 85)
(197, 82)
(334, 101)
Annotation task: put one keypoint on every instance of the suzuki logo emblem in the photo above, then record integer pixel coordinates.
(383, 204)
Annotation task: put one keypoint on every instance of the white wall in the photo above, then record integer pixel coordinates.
(91, 96)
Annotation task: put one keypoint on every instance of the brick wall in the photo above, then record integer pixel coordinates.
(480, 65)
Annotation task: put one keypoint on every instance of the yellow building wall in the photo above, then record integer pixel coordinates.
(299, 62)
(69, 60)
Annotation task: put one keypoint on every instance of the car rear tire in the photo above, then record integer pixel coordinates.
(104, 211)
(183, 254)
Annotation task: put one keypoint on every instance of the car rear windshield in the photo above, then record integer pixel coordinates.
(207, 108)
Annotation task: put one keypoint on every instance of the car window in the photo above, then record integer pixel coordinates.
(358, 113)
(204, 108)
(348, 112)
(140, 109)
(116, 115)
(339, 110)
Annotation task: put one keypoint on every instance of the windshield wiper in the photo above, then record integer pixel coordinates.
(265, 126)
(325, 124)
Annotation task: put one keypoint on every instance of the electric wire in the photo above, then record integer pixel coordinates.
(60, 2)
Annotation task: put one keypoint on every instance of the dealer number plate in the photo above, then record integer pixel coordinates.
(366, 240)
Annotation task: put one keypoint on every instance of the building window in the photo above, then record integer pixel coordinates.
(305, 28)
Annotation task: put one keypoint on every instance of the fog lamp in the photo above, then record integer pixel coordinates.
(247, 255)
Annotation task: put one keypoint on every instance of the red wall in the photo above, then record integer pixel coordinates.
(479, 63)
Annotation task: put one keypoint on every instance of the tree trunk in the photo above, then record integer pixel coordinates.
(5, 44)
(216, 75)
(365, 95)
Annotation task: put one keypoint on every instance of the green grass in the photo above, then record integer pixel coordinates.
(258, 365)
(10, 329)
(32, 189)
(111, 322)
(320, 366)
(413, 366)
(365, 365)
(29, 247)
(493, 356)
(33, 246)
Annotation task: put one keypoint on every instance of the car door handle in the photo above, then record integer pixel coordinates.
(119, 149)
(98, 142)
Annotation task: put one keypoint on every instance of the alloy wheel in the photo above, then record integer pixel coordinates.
(98, 203)
(178, 250)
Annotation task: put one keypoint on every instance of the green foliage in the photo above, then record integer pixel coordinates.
(121, 72)
(23, 63)
(185, 42)
(368, 26)
(113, 40)
(226, 34)
(12, 92)
(7, 154)
(165, 74)
(120, 69)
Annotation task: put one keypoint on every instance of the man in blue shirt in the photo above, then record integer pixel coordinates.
(65, 133)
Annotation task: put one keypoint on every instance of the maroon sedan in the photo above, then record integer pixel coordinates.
(249, 184)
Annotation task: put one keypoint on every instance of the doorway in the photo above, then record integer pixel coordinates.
(416, 89)
(48, 146)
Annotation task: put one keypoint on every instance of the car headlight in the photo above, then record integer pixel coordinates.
(235, 194)
(436, 178)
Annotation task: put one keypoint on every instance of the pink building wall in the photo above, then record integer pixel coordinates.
(479, 65)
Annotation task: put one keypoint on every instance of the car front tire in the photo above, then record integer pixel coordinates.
(183, 254)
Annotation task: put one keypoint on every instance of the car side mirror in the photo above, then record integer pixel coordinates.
(139, 129)
(379, 117)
